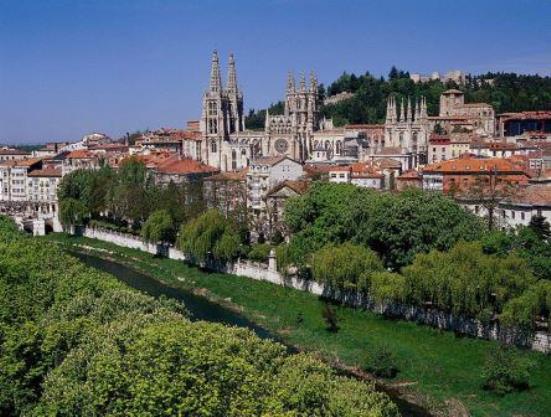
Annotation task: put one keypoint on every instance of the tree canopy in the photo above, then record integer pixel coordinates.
(506, 92)
(74, 341)
(336, 213)
(210, 236)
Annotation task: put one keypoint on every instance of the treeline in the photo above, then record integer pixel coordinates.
(75, 342)
(506, 92)
(129, 201)
(440, 255)
(124, 199)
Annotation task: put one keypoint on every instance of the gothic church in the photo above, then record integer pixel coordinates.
(228, 145)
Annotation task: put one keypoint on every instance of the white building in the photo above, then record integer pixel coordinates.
(267, 172)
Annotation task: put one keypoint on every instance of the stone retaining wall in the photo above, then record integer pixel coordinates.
(540, 341)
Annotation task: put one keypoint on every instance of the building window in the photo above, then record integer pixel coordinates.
(522, 216)
(213, 147)
(512, 214)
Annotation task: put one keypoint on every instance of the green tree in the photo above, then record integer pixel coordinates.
(210, 234)
(72, 212)
(505, 371)
(345, 266)
(540, 226)
(159, 227)
(86, 344)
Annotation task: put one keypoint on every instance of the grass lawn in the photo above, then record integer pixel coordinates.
(433, 364)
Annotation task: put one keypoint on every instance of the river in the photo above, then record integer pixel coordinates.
(199, 307)
(202, 309)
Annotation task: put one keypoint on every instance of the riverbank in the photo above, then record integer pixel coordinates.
(435, 366)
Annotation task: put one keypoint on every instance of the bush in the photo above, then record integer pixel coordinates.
(329, 315)
(505, 371)
(345, 266)
(259, 252)
(210, 234)
(74, 341)
(388, 287)
(159, 227)
(381, 362)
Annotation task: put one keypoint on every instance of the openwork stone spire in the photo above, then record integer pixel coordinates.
(215, 85)
(290, 83)
(232, 75)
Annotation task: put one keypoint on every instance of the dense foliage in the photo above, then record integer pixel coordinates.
(159, 227)
(441, 255)
(527, 243)
(74, 341)
(504, 91)
(336, 213)
(465, 280)
(346, 266)
(126, 197)
(210, 236)
(259, 252)
(505, 371)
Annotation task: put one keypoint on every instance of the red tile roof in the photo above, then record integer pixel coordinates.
(184, 167)
(80, 154)
(13, 152)
(240, 175)
(298, 186)
(45, 172)
(470, 165)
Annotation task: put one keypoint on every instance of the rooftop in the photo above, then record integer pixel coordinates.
(268, 160)
(298, 186)
(468, 164)
(45, 172)
(184, 166)
(240, 175)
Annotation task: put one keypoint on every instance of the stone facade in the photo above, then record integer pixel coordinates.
(409, 129)
(226, 143)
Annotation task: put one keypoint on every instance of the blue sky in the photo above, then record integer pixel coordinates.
(71, 67)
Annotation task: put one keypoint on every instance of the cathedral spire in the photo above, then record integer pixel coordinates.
(302, 82)
(424, 113)
(409, 115)
(417, 109)
(402, 113)
(267, 121)
(215, 85)
(290, 83)
(232, 75)
(313, 83)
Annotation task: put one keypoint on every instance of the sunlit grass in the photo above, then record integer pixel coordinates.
(436, 363)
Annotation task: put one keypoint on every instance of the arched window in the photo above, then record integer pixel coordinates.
(338, 147)
(213, 147)
(401, 139)
(233, 159)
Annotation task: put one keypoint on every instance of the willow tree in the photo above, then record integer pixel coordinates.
(210, 235)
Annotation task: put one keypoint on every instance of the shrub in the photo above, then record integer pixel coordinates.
(381, 362)
(465, 280)
(388, 287)
(505, 371)
(210, 234)
(345, 266)
(259, 252)
(329, 315)
(158, 227)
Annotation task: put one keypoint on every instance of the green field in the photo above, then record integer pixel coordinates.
(435, 366)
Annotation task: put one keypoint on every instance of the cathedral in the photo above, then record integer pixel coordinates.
(228, 145)
(408, 129)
